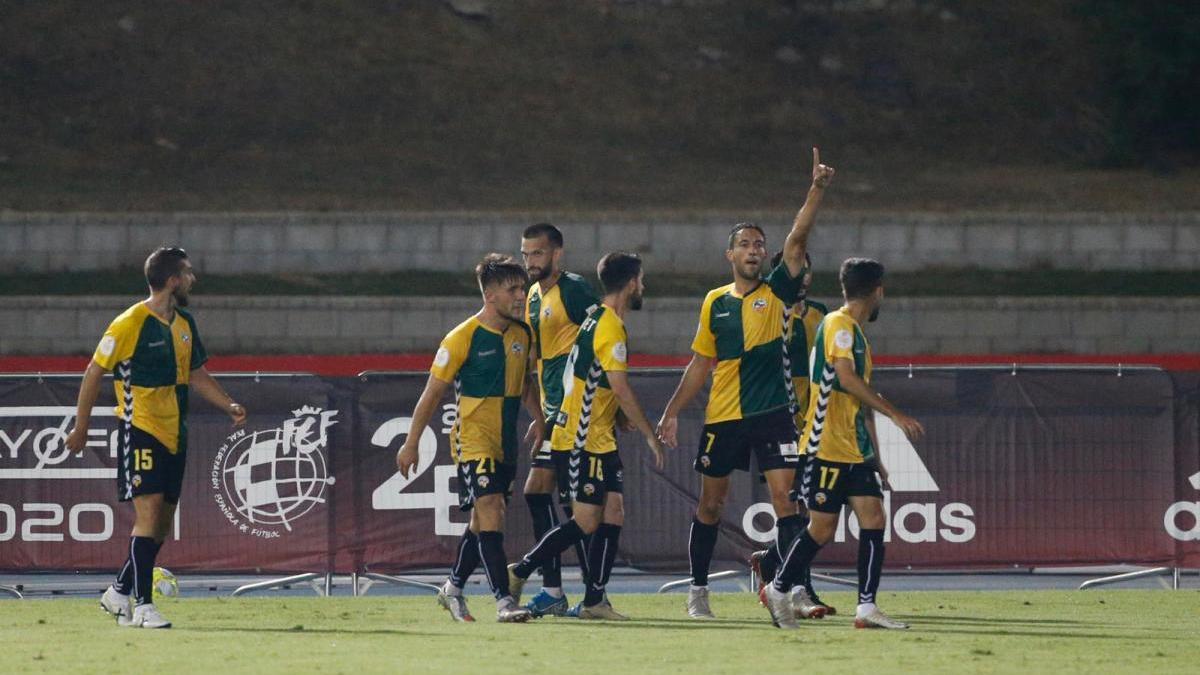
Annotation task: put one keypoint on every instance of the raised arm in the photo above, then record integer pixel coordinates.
(859, 389)
(796, 244)
(408, 455)
(694, 377)
(627, 400)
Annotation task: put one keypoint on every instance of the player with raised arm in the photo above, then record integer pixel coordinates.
(595, 387)
(739, 340)
(485, 359)
(558, 302)
(840, 441)
(156, 353)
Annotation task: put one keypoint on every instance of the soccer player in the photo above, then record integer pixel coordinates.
(839, 470)
(558, 302)
(596, 385)
(801, 321)
(157, 354)
(740, 341)
(485, 359)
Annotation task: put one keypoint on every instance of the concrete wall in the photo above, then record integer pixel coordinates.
(335, 325)
(345, 242)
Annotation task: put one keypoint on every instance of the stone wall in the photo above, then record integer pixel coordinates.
(339, 325)
(352, 242)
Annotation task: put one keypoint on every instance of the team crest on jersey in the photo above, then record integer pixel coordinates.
(589, 489)
(517, 348)
(546, 312)
(483, 481)
(185, 337)
(760, 305)
(820, 498)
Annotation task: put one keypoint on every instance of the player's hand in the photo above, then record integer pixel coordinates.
(668, 430)
(656, 446)
(77, 439)
(406, 459)
(911, 428)
(822, 174)
(237, 412)
(623, 421)
(535, 435)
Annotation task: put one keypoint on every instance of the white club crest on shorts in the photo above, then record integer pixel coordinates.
(107, 344)
(442, 358)
(483, 481)
(618, 352)
(843, 339)
(589, 489)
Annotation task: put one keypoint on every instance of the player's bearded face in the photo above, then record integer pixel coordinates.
(180, 294)
(748, 254)
(539, 258)
(878, 303)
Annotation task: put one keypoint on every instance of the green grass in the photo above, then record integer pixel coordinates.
(944, 282)
(989, 631)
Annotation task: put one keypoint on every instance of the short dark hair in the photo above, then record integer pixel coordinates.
(497, 268)
(544, 230)
(778, 258)
(860, 277)
(162, 264)
(743, 226)
(617, 269)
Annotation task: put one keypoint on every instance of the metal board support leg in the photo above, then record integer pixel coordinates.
(277, 583)
(402, 581)
(1118, 578)
(688, 581)
(9, 590)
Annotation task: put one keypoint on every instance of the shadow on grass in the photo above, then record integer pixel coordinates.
(307, 631)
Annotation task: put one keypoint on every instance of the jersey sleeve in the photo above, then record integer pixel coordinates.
(199, 353)
(839, 338)
(119, 341)
(577, 297)
(451, 355)
(705, 343)
(784, 285)
(610, 348)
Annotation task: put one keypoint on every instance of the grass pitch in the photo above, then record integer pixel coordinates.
(953, 632)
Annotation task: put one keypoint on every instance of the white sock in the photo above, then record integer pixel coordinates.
(555, 592)
(453, 590)
(864, 609)
(699, 588)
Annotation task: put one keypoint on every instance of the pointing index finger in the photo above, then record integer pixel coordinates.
(816, 157)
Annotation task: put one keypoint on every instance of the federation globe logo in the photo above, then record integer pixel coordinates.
(270, 478)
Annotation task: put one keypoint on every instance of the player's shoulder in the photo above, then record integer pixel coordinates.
(718, 293)
(839, 319)
(818, 306)
(186, 315)
(464, 331)
(572, 285)
(609, 319)
(131, 319)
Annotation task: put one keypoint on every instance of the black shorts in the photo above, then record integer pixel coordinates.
(827, 485)
(148, 467)
(480, 477)
(726, 446)
(593, 475)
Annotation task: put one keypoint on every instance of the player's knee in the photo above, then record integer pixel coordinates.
(539, 482)
(709, 510)
(614, 512)
(783, 505)
(821, 531)
(588, 521)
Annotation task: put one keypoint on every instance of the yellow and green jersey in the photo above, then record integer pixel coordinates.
(487, 368)
(589, 409)
(152, 362)
(835, 426)
(801, 336)
(554, 316)
(745, 336)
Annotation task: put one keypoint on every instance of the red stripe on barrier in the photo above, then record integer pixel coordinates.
(352, 364)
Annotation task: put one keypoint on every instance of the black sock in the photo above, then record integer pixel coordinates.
(870, 564)
(124, 582)
(581, 548)
(799, 557)
(491, 549)
(787, 529)
(701, 541)
(545, 518)
(467, 560)
(142, 553)
(601, 556)
(556, 541)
